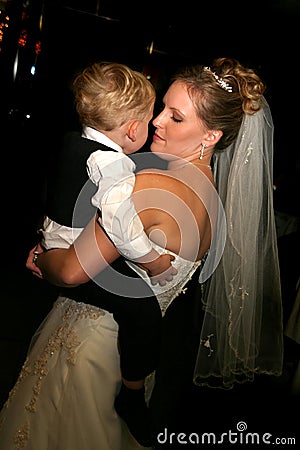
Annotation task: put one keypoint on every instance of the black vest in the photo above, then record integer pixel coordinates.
(66, 183)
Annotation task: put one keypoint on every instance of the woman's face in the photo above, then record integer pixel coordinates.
(179, 132)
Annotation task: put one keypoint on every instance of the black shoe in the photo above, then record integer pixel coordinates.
(131, 407)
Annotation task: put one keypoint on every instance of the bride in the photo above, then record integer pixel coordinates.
(215, 132)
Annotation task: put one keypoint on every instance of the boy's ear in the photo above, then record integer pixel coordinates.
(132, 129)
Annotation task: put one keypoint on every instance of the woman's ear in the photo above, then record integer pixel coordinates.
(212, 137)
(132, 130)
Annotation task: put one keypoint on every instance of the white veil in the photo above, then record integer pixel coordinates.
(242, 328)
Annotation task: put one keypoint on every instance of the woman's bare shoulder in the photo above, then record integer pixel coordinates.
(148, 178)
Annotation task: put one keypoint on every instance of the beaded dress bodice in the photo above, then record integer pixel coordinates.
(166, 294)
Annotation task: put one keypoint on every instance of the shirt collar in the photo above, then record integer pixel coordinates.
(95, 135)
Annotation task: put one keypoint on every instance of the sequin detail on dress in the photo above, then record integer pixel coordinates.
(22, 437)
(63, 338)
(165, 298)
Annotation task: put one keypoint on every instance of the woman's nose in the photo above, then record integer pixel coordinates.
(157, 121)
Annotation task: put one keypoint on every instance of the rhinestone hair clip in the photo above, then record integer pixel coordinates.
(220, 81)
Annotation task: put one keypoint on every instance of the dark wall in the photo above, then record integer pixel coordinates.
(36, 109)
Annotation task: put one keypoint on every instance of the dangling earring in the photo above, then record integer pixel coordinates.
(202, 151)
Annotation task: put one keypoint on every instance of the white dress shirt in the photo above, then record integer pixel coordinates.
(113, 173)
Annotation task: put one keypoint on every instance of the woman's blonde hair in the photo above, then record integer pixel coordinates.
(109, 94)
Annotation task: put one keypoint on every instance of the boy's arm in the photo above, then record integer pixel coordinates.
(119, 217)
(91, 253)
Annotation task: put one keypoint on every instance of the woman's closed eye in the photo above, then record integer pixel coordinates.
(176, 119)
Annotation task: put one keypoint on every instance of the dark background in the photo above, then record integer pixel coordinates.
(35, 110)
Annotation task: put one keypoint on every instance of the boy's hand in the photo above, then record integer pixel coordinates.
(160, 270)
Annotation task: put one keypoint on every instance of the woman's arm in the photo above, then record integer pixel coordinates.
(90, 254)
(92, 251)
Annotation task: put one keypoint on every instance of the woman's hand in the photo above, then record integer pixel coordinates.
(91, 253)
(32, 259)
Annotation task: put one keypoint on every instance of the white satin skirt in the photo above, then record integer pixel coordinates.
(64, 396)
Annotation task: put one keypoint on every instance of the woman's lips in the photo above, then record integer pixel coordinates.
(157, 138)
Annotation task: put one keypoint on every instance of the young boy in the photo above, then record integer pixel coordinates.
(114, 105)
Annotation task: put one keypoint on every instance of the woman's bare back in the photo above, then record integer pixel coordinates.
(173, 208)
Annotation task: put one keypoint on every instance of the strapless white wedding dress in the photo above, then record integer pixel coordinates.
(64, 396)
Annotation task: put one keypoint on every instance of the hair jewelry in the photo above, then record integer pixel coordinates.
(220, 81)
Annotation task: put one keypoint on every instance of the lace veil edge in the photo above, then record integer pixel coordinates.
(242, 328)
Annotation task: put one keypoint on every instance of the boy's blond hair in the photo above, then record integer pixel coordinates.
(109, 94)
